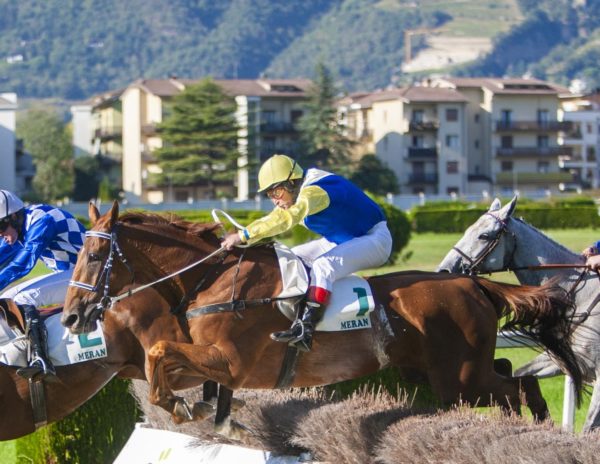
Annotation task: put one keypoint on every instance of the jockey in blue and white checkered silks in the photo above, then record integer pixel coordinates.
(30, 233)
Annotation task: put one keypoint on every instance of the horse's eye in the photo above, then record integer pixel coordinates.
(94, 257)
(485, 236)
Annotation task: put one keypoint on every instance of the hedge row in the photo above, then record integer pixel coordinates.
(458, 217)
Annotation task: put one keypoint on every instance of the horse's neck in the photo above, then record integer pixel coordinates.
(533, 248)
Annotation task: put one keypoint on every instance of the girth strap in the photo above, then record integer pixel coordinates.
(228, 307)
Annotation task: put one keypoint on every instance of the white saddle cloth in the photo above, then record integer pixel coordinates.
(64, 347)
(351, 298)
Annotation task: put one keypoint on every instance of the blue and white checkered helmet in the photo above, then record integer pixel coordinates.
(9, 203)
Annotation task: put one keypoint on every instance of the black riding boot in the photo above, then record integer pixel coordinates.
(301, 332)
(39, 363)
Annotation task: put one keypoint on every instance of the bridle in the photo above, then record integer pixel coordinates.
(473, 265)
(103, 280)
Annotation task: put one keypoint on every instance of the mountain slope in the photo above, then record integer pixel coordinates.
(72, 49)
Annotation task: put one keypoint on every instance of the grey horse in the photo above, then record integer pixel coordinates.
(498, 241)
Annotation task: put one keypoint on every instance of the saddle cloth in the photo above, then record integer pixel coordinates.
(64, 348)
(351, 298)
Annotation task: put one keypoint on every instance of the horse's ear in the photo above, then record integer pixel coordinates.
(508, 209)
(93, 212)
(496, 205)
(114, 213)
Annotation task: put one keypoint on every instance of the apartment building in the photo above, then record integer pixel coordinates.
(513, 133)
(582, 140)
(267, 113)
(8, 142)
(418, 132)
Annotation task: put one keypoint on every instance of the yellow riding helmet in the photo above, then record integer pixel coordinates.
(278, 168)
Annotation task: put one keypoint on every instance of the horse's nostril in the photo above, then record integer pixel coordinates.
(70, 320)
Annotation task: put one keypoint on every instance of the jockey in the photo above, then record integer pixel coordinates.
(592, 256)
(353, 227)
(30, 233)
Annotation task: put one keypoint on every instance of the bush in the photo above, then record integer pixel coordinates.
(549, 214)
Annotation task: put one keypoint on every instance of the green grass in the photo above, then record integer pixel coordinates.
(425, 251)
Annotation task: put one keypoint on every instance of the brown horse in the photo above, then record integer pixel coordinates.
(76, 383)
(441, 325)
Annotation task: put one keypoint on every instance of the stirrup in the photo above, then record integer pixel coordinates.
(38, 369)
(294, 334)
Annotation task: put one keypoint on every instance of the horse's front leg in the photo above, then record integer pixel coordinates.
(206, 362)
(161, 393)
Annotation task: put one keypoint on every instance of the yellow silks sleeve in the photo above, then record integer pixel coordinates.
(311, 200)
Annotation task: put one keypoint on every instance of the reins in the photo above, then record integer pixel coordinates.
(107, 301)
(474, 263)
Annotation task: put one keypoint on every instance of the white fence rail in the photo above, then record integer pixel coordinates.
(508, 340)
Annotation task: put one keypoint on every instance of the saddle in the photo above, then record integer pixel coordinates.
(351, 297)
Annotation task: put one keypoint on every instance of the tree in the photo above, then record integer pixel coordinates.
(46, 137)
(374, 176)
(325, 144)
(199, 138)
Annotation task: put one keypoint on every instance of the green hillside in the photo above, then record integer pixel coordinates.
(72, 49)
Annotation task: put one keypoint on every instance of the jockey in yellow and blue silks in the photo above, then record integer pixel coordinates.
(30, 233)
(353, 227)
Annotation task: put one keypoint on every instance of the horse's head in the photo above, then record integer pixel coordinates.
(486, 246)
(84, 299)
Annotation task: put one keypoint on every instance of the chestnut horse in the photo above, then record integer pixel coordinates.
(76, 383)
(441, 325)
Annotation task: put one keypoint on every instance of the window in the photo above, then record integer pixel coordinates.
(418, 168)
(476, 118)
(476, 143)
(506, 166)
(451, 114)
(452, 141)
(543, 166)
(506, 141)
(417, 116)
(506, 117)
(452, 167)
(590, 129)
(543, 117)
(268, 116)
(543, 141)
(418, 141)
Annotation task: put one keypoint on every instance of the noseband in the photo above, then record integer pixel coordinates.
(107, 301)
(473, 263)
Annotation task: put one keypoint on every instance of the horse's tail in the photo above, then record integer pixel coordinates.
(542, 313)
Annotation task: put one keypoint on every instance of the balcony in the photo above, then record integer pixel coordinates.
(533, 126)
(108, 133)
(423, 178)
(278, 127)
(533, 152)
(420, 153)
(423, 126)
(521, 178)
(577, 161)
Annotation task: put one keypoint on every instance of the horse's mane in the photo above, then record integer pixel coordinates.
(172, 220)
(552, 241)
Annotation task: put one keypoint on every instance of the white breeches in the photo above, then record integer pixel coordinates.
(329, 262)
(49, 289)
